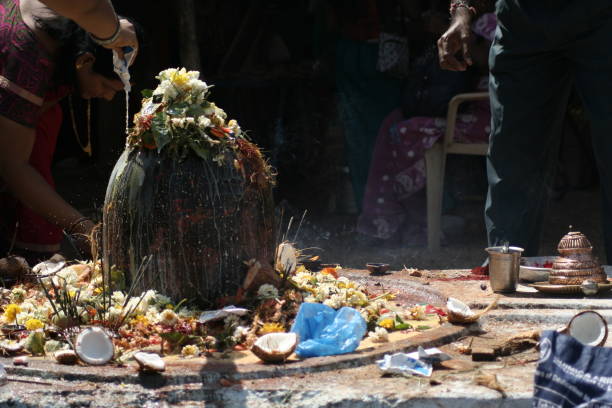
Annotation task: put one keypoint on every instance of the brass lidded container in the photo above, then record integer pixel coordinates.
(576, 263)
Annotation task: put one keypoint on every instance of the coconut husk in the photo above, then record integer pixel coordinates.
(490, 381)
(13, 267)
(463, 319)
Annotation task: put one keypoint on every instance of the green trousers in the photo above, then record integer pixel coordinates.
(542, 49)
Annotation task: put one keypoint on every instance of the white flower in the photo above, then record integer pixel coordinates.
(240, 333)
(115, 313)
(178, 122)
(231, 320)
(167, 74)
(149, 297)
(210, 341)
(152, 314)
(418, 312)
(209, 109)
(234, 127)
(335, 301)
(203, 122)
(358, 298)
(167, 90)
(118, 297)
(220, 113)
(168, 318)
(18, 295)
(310, 299)
(267, 291)
(162, 300)
(197, 86)
(379, 335)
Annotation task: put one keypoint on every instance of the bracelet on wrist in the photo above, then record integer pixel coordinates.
(107, 41)
(71, 228)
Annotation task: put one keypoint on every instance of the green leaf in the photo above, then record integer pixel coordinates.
(402, 326)
(177, 109)
(176, 339)
(161, 133)
(423, 327)
(35, 343)
(195, 111)
(146, 93)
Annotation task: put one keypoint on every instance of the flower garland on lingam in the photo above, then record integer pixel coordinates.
(178, 117)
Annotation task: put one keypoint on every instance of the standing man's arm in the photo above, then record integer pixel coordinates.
(453, 45)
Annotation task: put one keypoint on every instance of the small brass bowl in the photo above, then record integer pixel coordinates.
(377, 268)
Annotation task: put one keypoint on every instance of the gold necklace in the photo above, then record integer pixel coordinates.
(86, 148)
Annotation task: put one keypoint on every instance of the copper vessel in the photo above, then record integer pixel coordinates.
(576, 263)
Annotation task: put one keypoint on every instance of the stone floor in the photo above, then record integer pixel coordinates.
(341, 384)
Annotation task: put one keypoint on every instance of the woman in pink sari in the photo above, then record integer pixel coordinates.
(397, 173)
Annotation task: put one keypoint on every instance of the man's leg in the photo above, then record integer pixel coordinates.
(593, 63)
(529, 88)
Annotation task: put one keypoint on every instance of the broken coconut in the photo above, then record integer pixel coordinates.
(459, 312)
(275, 347)
(53, 265)
(150, 362)
(67, 357)
(12, 347)
(588, 327)
(94, 346)
(286, 258)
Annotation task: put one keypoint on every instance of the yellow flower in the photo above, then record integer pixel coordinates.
(34, 324)
(97, 291)
(271, 328)
(387, 323)
(180, 78)
(10, 312)
(190, 351)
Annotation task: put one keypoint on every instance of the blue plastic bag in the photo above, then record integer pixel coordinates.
(324, 331)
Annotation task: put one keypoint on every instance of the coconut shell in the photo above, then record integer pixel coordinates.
(273, 356)
(460, 318)
(67, 357)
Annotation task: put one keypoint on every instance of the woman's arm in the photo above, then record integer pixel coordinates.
(27, 184)
(98, 18)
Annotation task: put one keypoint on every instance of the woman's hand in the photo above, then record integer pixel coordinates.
(127, 38)
(455, 42)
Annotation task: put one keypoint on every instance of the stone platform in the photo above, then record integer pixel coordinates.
(351, 380)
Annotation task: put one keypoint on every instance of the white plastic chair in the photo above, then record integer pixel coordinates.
(435, 159)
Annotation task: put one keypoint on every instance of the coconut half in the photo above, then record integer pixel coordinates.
(12, 347)
(94, 346)
(459, 312)
(50, 266)
(275, 347)
(589, 328)
(149, 362)
(286, 258)
(67, 357)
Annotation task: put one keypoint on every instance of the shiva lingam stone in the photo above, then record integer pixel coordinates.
(576, 263)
